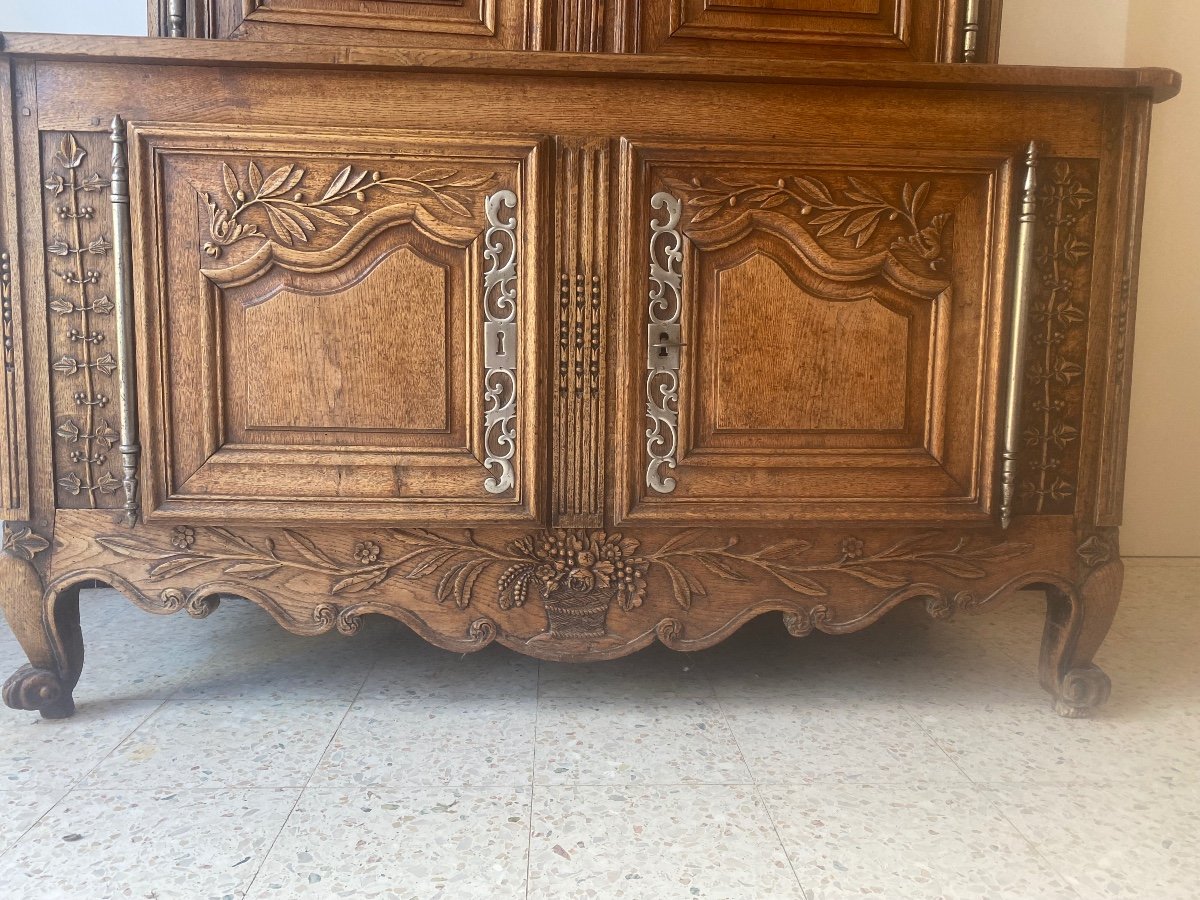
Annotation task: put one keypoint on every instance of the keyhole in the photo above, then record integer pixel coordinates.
(500, 343)
(662, 344)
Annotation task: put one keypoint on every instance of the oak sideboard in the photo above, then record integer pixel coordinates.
(569, 352)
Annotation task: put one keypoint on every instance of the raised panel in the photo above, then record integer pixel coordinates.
(326, 348)
(834, 366)
(897, 29)
(490, 24)
(838, 324)
(402, 334)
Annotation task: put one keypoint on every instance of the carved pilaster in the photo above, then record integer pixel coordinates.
(581, 211)
(1053, 399)
(577, 26)
(80, 286)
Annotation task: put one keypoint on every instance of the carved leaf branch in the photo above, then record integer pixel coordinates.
(856, 211)
(292, 213)
(235, 555)
(788, 562)
(588, 562)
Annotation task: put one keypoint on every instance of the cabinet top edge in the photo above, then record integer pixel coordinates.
(1158, 83)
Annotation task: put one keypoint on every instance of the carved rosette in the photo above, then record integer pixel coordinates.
(1053, 397)
(79, 278)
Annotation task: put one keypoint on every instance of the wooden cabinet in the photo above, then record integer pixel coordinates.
(351, 326)
(569, 353)
(898, 30)
(825, 342)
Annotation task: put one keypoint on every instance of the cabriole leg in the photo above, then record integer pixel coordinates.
(1076, 625)
(49, 633)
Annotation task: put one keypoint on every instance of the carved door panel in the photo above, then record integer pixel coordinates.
(338, 325)
(817, 337)
(479, 24)
(927, 30)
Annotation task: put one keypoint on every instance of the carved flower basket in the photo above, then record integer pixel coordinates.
(573, 613)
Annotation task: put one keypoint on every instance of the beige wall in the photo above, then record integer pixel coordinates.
(1162, 493)
(1065, 32)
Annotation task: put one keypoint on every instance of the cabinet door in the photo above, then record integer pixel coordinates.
(924, 30)
(337, 325)
(816, 334)
(478, 24)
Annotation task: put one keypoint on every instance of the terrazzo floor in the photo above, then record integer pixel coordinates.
(227, 759)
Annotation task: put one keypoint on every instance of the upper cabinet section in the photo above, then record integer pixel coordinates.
(921, 30)
(479, 24)
(895, 30)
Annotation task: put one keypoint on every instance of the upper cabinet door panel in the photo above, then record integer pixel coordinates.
(924, 30)
(478, 24)
(338, 325)
(817, 333)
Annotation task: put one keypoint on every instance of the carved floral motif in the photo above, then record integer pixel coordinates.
(1096, 550)
(1059, 319)
(577, 574)
(857, 211)
(74, 262)
(23, 542)
(291, 213)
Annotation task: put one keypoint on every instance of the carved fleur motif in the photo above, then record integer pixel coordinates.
(1096, 551)
(290, 213)
(1059, 318)
(856, 211)
(77, 248)
(23, 543)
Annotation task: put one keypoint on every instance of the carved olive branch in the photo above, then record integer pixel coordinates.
(598, 559)
(238, 556)
(785, 561)
(857, 215)
(291, 215)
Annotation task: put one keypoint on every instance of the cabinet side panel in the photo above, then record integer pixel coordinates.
(1133, 125)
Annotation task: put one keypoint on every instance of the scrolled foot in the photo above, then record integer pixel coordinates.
(1082, 691)
(40, 689)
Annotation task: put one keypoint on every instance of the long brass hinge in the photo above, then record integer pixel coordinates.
(1022, 284)
(176, 18)
(970, 41)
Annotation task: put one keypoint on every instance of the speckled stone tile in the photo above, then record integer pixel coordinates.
(324, 671)
(644, 842)
(41, 755)
(653, 673)
(19, 810)
(935, 842)
(1020, 742)
(142, 844)
(223, 744)
(796, 740)
(672, 741)
(415, 670)
(1138, 839)
(451, 741)
(459, 843)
